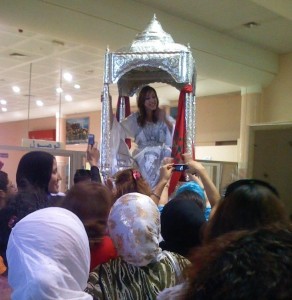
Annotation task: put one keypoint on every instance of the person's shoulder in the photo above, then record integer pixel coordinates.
(174, 292)
(176, 258)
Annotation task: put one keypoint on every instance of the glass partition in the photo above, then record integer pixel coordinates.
(222, 173)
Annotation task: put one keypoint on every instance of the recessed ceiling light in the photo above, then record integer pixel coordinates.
(3, 101)
(251, 24)
(16, 89)
(39, 103)
(4, 108)
(77, 86)
(68, 98)
(68, 76)
(59, 90)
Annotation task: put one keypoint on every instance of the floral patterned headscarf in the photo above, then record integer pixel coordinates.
(134, 227)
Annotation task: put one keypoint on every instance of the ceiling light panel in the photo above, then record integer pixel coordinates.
(39, 103)
(67, 76)
(16, 89)
(68, 98)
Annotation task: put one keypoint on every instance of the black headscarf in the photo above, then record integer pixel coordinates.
(181, 223)
(35, 169)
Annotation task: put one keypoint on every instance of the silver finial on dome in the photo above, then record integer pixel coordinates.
(153, 39)
(152, 32)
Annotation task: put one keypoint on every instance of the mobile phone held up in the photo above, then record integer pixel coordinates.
(91, 139)
(180, 167)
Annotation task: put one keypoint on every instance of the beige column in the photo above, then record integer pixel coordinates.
(60, 129)
(62, 162)
(250, 114)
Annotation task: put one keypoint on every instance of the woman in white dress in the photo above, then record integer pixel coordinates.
(151, 130)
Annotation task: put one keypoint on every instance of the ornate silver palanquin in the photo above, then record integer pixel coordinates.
(152, 57)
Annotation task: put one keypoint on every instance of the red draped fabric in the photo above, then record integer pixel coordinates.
(179, 137)
(127, 113)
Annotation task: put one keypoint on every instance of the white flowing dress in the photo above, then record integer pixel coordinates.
(153, 141)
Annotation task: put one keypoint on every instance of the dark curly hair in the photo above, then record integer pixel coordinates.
(244, 265)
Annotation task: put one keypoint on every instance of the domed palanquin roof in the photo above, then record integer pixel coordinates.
(153, 56)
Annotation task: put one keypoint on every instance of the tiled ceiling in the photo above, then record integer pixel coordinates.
(35, 61)
(228, 16)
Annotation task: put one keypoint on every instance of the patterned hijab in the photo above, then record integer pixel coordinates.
(48, 256)
(134, 227)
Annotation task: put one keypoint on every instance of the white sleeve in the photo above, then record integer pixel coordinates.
(169, 135)
(130, 125)
(168, 139)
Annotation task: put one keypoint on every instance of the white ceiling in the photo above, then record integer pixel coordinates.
(41, 39)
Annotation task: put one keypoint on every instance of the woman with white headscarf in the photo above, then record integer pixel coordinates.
(142, 268)
(48, 256)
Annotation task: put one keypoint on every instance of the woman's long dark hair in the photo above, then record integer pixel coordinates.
(4, 181)
(248, 204)
(35, 169)
(140, 103)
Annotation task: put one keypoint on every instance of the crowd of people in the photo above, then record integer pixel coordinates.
(127, 238)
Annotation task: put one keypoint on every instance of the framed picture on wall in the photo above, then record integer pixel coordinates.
(77, 130)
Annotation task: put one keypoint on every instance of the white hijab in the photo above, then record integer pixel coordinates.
(48, 256)
(134, 226)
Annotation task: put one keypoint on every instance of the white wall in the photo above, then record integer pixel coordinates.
(218, 153)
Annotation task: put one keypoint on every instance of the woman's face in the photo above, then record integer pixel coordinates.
(53, 187)
(150, 101)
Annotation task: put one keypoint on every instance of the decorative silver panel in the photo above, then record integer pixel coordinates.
(105, 150)
(152, 57)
